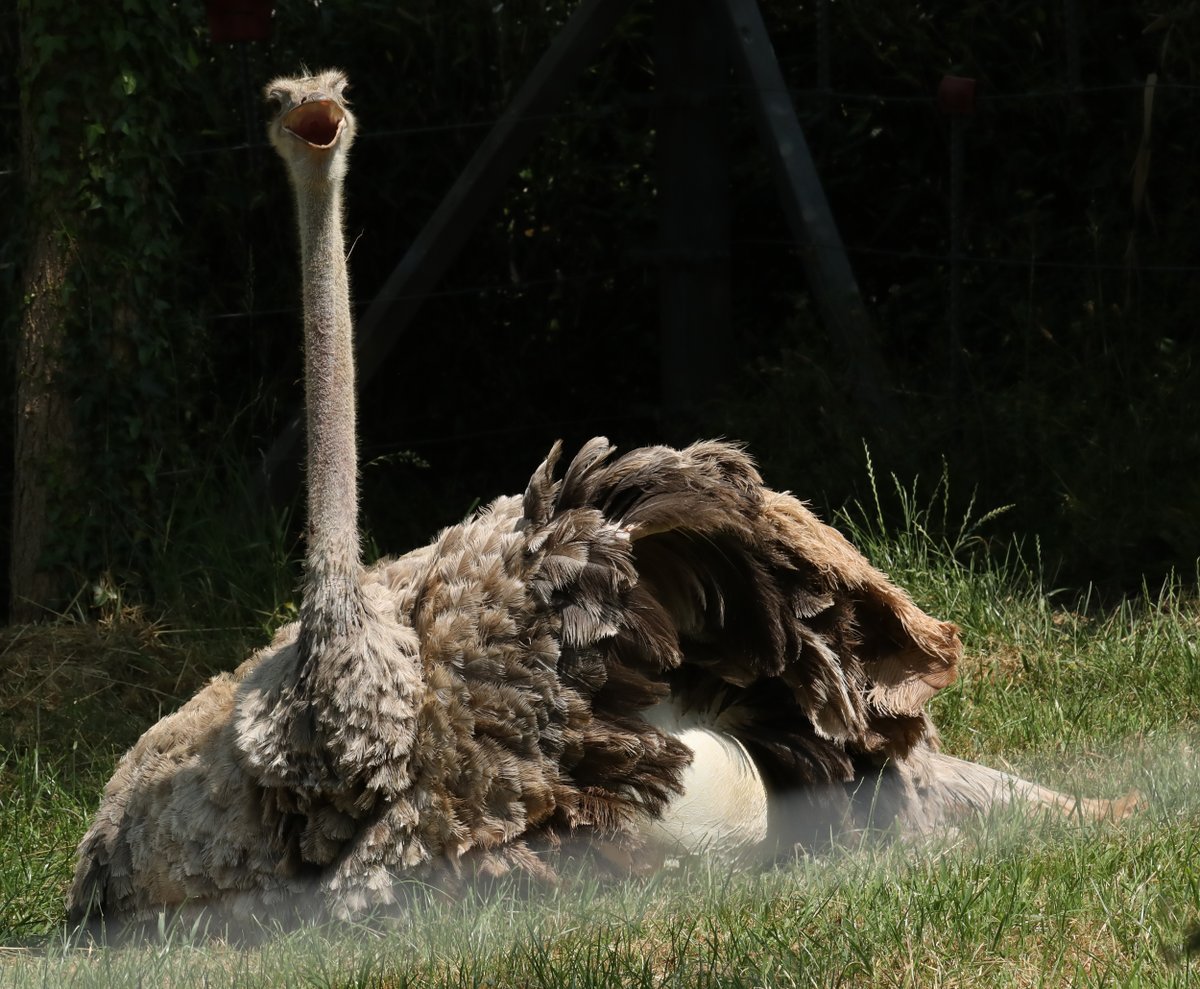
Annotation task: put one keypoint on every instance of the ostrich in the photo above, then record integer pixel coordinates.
(638, 654)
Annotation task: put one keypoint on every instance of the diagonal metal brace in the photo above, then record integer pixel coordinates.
(827, 268)
(477, 187)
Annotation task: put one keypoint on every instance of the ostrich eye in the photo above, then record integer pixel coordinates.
(339, 87)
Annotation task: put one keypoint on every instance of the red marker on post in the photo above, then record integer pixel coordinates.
(956, 96)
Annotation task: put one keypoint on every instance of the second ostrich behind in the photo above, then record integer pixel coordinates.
(640, 652)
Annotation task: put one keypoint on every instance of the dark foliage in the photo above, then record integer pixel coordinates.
(1076, 390)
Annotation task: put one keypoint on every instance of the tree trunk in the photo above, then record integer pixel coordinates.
(41, 427)
(42, 424)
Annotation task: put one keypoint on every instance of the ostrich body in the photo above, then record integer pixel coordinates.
(609, 658)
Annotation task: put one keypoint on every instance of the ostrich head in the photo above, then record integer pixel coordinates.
(313, 127)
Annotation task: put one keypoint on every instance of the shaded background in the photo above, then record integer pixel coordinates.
(136, 150)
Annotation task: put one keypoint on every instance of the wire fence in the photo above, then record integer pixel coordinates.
(798, 94)
(575, 278)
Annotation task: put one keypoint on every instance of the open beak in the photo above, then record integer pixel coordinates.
(317, 122)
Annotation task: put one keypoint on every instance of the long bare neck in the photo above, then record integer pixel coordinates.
(332, 601)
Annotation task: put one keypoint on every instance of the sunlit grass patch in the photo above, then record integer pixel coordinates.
(1095, 701)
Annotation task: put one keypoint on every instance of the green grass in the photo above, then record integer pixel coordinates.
(1093, 700)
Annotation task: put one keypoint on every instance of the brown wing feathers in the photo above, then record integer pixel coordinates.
(739, 585)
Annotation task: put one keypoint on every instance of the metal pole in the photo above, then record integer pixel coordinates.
(824, 69)
(1071, 29)
(956, 98)
(957, 168)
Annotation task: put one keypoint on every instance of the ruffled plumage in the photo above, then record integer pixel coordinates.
(493, 703)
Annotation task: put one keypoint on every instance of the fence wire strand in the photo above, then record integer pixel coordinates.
(798, 94)
(611, 109)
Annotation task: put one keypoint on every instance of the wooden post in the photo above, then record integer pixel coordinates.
(692, 156)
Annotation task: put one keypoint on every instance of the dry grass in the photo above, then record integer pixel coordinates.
(73, 696)
(100, 683)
